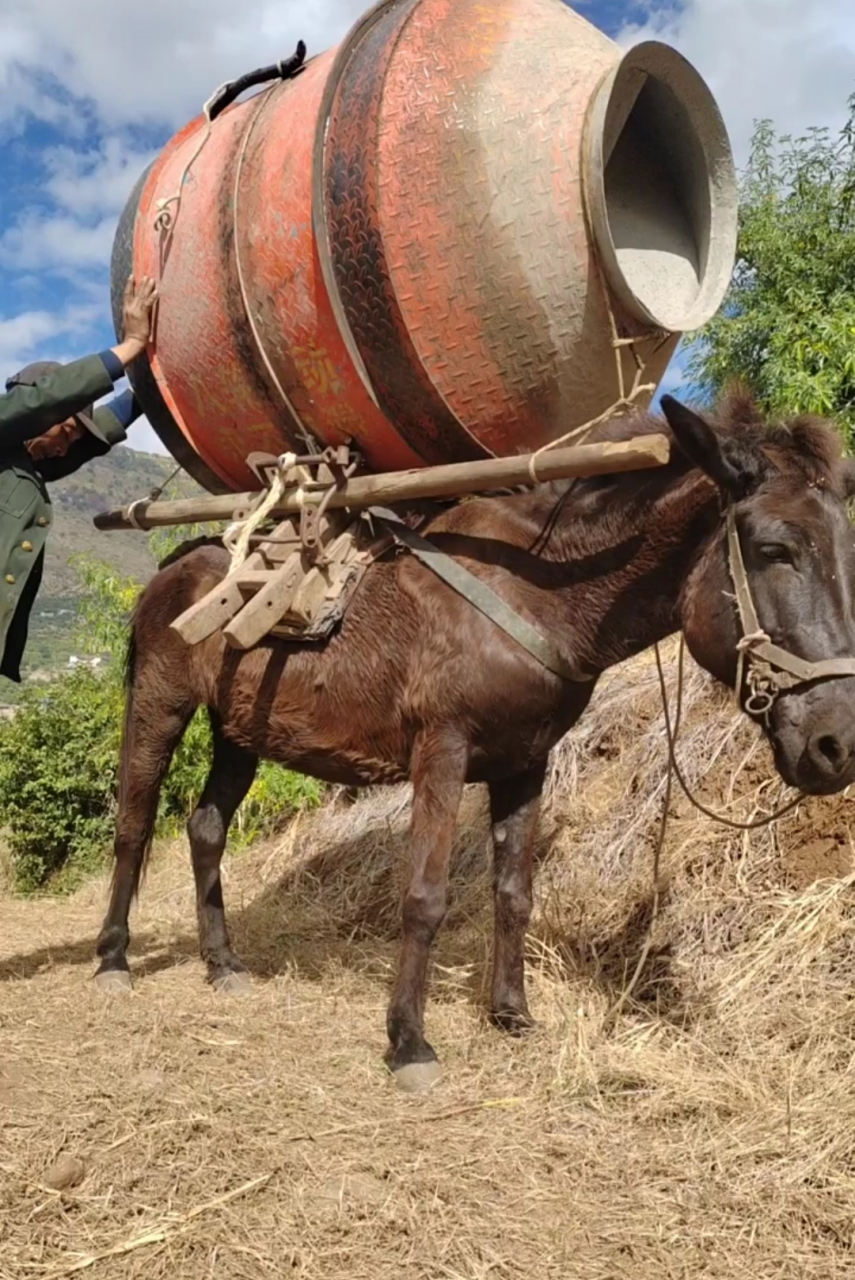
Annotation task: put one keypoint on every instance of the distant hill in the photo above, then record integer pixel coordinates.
(111, 481)
(118, 478)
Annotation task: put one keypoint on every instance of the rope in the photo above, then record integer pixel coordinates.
(674, 763)
(271, 372)
(153, 496)
(165, 221)
(627, 991)
(237, 536)
(626, 399)
(674, 771)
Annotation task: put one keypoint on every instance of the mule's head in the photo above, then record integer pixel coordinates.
(787, 486)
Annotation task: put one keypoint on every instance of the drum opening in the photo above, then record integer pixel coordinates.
(661, 189)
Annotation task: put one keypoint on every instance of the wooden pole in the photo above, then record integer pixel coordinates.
(454, 480)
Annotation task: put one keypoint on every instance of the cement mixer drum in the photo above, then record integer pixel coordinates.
(421, 244)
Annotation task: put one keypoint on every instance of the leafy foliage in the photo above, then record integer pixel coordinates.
(162, 542)
(59, 756)
(58, 760)
(787, 327)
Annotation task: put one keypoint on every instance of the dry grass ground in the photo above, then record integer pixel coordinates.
(708, 1131)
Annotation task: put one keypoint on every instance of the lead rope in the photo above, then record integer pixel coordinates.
(674, 770)
(627, 991)
(673, 763)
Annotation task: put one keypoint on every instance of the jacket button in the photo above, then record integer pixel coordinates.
(10, 578)
(26, 546)
(42, 522)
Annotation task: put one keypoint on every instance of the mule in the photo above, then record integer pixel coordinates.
(417, 685)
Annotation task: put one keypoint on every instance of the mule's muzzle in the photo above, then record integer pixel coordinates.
(813, 737)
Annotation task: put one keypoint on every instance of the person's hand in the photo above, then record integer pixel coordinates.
(137, 306)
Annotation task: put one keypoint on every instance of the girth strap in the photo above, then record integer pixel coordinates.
(479, 595)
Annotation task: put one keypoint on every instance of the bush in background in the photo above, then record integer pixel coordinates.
(787, 325)
(59, 756)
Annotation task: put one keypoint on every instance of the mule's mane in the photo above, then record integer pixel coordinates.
(805, 447)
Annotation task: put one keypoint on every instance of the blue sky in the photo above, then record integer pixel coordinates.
(123, 77)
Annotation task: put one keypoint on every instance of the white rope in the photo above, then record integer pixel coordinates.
(626, 399)
(236, 538)
(132, 514)
(165, 221)
(156, 492)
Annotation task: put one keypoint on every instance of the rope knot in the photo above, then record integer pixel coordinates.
(754, 638)
(236, 538)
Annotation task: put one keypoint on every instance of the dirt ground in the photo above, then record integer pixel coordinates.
(705, 1128)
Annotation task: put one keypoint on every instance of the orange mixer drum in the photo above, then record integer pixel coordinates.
(418, 244)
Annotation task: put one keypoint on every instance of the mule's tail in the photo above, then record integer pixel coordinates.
(134, 806)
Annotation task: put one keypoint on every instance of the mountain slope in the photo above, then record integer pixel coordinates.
(120, 477)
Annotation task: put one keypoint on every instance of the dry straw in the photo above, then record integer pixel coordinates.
(708, 1131)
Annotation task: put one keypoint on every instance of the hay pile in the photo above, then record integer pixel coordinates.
(708, 1131)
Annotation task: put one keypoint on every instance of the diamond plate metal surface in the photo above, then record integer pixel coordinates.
(454, 278)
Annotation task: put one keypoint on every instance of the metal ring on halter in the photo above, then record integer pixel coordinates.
(760, 702)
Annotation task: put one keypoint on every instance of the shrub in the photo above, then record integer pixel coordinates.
(58, 761)
(59, 758)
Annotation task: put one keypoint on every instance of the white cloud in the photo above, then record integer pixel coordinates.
(45, 243)
(88, 189)
(93, 182)
(787, 60)
(157, 62)
(24, 337)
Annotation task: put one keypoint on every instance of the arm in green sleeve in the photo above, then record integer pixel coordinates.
(27, 412)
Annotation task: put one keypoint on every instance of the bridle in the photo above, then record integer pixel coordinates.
(765, 668)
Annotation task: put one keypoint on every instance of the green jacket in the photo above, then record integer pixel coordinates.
(26, 513)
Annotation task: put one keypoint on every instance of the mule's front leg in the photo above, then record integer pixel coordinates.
(438, 772)
(514, 812)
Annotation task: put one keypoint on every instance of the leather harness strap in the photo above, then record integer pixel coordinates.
(480, 595)
(768, 669)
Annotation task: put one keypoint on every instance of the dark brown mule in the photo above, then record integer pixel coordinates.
(418, 685)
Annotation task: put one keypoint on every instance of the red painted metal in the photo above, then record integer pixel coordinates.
(403, 224)
(205, 358)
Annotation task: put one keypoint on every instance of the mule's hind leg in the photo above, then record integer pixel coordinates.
(514, 812)
(152, 732)
(439, 770)
(232, 772)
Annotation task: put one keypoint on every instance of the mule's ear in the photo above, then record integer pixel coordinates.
(701, 445)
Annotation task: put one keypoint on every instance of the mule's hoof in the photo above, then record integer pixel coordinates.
(236, 982)
(114, 982)
(514, 1022)
(418, 1077)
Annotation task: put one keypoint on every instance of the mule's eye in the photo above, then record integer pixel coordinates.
(776, 553)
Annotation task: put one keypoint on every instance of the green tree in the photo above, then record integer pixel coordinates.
(787, 327)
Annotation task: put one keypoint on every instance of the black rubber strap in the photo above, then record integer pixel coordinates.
(479, 595)
(286, 70)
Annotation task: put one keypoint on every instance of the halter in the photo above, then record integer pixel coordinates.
(767, 669)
